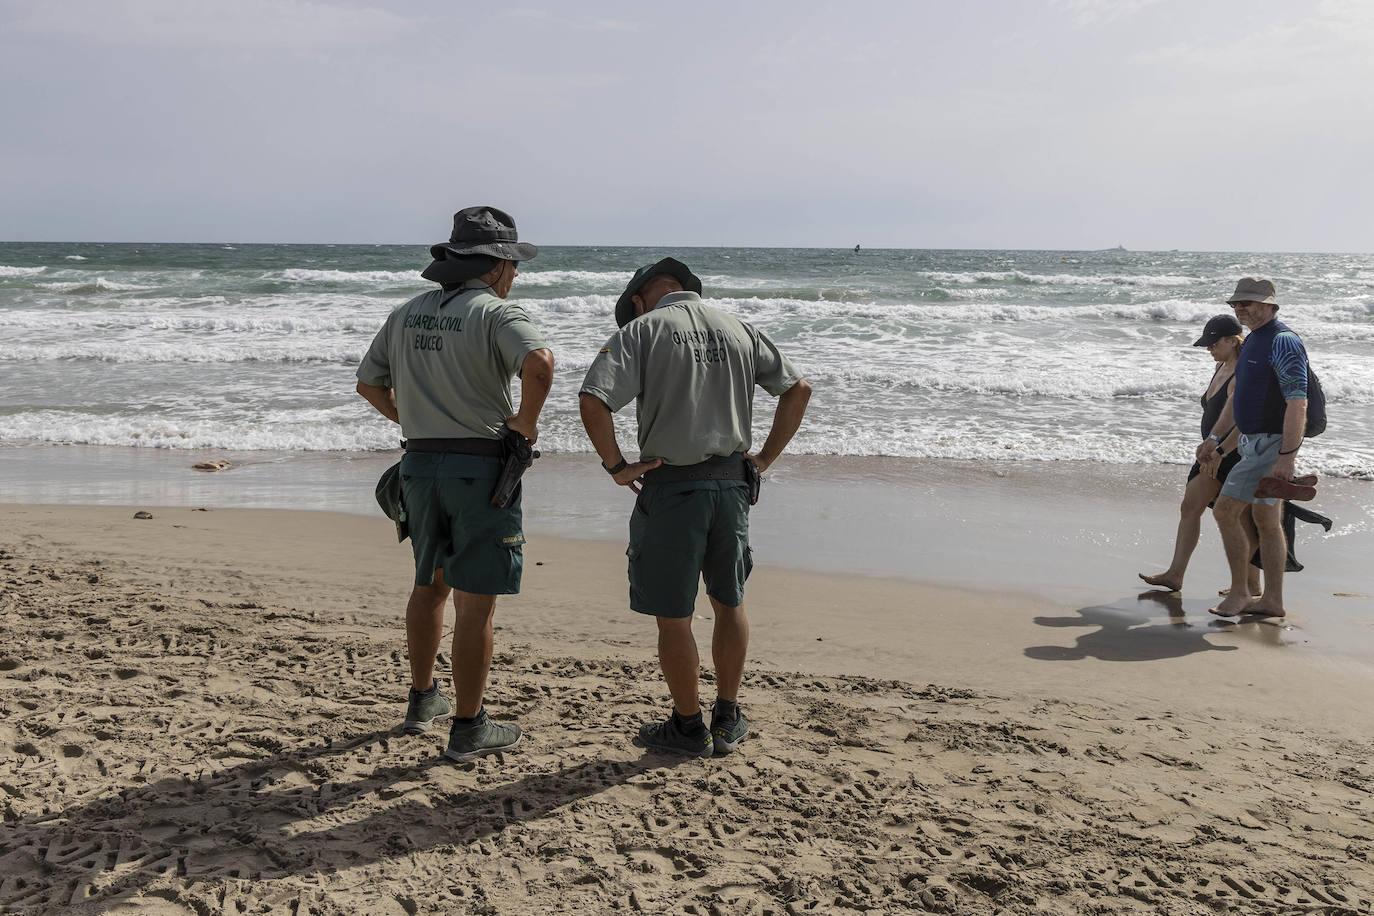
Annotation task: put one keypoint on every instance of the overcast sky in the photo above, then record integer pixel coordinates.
(1155, 124)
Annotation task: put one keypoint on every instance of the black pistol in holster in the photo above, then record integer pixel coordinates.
(754, 479)
(516, 457)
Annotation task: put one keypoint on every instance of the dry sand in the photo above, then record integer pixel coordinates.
(199, 713)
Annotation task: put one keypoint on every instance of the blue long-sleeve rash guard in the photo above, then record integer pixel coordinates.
(1271, 371)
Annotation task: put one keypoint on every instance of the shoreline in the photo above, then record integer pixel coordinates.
(1070, 533)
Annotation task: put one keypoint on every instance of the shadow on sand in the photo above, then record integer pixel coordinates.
(1131, 630)
(290, 814)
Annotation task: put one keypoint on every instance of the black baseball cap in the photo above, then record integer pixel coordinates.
(1217, 328)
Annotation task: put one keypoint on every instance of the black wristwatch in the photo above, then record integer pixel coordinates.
(620, 466)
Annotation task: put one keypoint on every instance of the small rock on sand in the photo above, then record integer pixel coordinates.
(143, 515)
(211, 466)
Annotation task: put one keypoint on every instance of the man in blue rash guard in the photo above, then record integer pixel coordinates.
(1270, 410)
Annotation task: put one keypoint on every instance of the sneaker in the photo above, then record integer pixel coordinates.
(468, 742)
(667, 736)
(423, 709)
(727, 734)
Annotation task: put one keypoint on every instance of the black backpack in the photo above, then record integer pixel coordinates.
(1316, 405)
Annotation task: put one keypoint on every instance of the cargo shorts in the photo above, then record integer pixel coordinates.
(682, 533)
(454, 526)
(1258, 453)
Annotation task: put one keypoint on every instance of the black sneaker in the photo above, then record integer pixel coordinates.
(423, 710)
(667, 736)
(468, 742)
(727, 734)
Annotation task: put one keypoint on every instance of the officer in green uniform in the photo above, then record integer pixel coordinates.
(441, 367)
(691, 369)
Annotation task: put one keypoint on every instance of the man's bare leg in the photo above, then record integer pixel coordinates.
(1252, 572)
(677, 655)
(1274, 556)
(424, 629)
(472, 639)
(729, 647)
(1200, 491)
(1235, 539)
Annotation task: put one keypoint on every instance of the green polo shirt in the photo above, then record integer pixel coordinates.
(450, 357)
(692, 370)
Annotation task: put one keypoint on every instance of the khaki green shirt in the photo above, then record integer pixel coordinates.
(450, 357)
(692, 370)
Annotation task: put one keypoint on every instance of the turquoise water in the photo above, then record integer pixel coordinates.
(981, 355)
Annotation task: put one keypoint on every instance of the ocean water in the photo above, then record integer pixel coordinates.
(979, 355)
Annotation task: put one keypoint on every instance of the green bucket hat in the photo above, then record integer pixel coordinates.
(392, 502)
(625, 306)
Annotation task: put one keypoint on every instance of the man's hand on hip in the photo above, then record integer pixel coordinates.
(525, 428)
(630, 474)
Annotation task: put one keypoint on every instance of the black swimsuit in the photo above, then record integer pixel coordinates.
(1211, 410)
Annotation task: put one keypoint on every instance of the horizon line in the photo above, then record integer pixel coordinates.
(1119, 249)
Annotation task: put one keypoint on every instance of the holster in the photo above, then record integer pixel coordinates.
(754, 479)
(516, 457)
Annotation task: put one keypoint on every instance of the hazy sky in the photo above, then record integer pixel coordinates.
(1236, 124)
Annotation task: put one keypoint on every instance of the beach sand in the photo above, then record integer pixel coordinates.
(199, 715)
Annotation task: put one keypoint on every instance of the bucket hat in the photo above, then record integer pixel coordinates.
(484, 230)
(1218, 327)
(1254, 289)
(392, 501)
(625, 306)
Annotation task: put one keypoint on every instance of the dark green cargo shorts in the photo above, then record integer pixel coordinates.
(454, 526)
(685, 531)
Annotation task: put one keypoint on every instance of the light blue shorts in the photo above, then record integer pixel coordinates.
(1257, 456)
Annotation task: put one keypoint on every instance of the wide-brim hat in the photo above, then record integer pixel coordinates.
(1254, 289)
(625, 306)
(484, 230)
(1218, 327)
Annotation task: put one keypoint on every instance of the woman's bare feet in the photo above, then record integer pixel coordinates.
(1232, 605)
(1163, 580)
(1254, 587)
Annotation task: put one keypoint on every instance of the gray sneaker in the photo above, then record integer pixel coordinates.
(668, 737)
(727, 735)
(423, 709)
(468, 742)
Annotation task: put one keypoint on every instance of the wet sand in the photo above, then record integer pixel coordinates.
(1072, 533)
(199, 714)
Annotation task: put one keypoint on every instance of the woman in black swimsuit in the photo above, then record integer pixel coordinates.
(1222, 338)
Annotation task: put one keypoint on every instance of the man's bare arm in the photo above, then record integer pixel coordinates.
(384, 399)
(787, 420)
(600, 426)
(1294, 425)
(536, 378)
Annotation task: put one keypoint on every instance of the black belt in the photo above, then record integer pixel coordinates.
(731, 468)
(487, 448)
